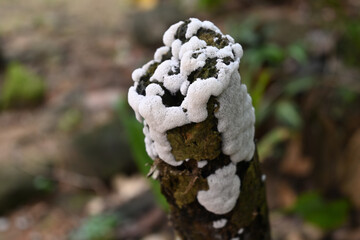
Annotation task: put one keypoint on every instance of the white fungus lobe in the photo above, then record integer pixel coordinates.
(241, 230)
(174, 63)
(263, 177)
(202, 163)
(220, 223)
(224, 190)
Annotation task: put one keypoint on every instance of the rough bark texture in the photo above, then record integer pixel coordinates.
(181, 184)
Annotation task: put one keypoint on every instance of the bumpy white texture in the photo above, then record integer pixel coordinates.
(224, 190)
(138, 73)
(235, 116)
(169, 35)
(196, 24)
(236, 121)
(160, 52)
(219, 223)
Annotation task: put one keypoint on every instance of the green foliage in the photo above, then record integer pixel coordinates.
(21, 88)
(258, 91)
(298, 52)
(349, 44)
(313, 208)
(299, 85)
(136, 140)
(262, 60)
(347, 95)
(210, 4)
(270, 53)
(44, 184)
(268, 143)
(70, 120)
(99, 227)
(245, 33)
(286, 112)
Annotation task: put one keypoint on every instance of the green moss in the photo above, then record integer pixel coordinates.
(209, 70)
(188, 187)
(182, 185)
(209, 37)
(251, 208)
(181, 32)
(197, 141)
(21, 88)
(166, 56)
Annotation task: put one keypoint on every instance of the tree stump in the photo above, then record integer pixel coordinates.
(199, 129)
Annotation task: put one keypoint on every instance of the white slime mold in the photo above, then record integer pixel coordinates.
(224, 189)
(220, 223)
(235, 114)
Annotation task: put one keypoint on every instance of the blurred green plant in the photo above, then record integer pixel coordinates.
(349, 43)
(136, 138)
(297, 51)
(268, 143)
(282, 106)
(286, 112)
(326, 214)
(99, 227)
(299, 85)
(261, 62)
(246, 32)
(210, 4)
(21, 88)
(257, 92)
(70, 120)
(347, 95)
(44, 184)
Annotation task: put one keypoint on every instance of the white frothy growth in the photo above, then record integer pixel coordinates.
(169, 35)
(202, 163)
(220, 223)
(263, 177)
(224, 190)
(235, 115)
(236, 121)
(160, 52)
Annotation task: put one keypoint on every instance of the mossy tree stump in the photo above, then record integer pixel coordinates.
(199, 129)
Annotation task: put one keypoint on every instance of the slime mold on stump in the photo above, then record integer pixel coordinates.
(199, 130)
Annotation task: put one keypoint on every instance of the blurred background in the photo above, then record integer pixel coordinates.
(72, 159)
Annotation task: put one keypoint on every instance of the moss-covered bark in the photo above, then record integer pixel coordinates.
(195, 142)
